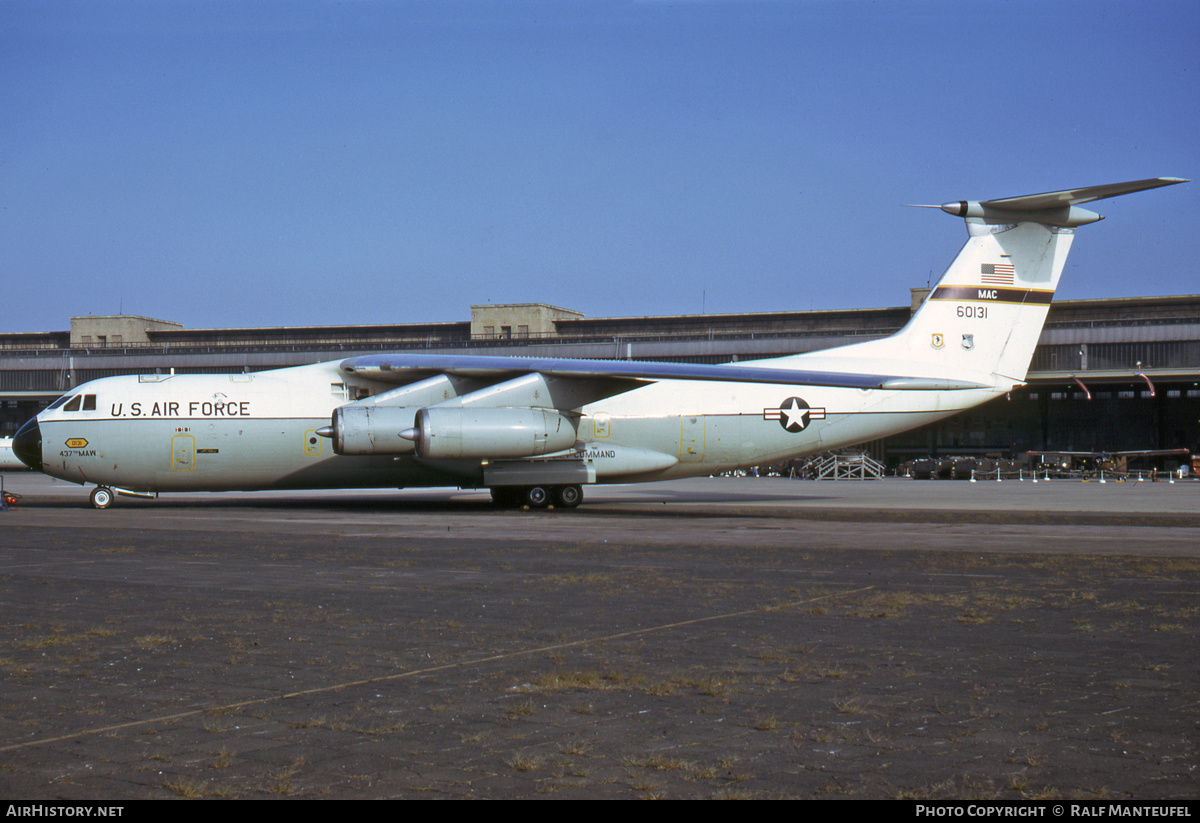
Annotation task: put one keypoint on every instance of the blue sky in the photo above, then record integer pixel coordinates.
(227, 164)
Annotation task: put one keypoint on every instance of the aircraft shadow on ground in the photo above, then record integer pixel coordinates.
(678, 503)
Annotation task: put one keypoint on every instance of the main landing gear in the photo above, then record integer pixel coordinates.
(537, 497)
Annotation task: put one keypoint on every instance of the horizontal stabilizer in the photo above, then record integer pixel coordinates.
(1074, 197)
(1052, 208)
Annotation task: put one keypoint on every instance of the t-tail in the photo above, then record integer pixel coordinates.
(982, 321)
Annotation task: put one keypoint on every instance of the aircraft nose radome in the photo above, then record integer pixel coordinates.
(27, 444)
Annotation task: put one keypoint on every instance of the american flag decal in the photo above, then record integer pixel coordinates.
(997, 274)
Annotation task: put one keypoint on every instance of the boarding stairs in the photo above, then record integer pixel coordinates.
(847, 466)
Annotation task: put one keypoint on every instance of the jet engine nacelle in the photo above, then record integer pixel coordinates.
(451, 433)
(370, 430)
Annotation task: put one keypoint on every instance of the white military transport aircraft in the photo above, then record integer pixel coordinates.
(536, 430)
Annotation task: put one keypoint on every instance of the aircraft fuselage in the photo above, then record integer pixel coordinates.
(161, 433)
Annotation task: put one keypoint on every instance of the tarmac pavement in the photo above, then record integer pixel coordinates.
(748, 637)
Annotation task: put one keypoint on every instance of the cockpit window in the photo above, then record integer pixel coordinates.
(60, 401)
(87, 402)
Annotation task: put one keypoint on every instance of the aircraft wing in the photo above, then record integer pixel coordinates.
(622, 375)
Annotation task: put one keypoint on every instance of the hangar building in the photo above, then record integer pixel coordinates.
(1109, 374)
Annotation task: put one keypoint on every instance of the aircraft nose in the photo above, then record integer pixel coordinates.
(27, 444)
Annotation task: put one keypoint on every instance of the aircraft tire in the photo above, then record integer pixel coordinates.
(537, 497)
(102, 497)
(568, 497)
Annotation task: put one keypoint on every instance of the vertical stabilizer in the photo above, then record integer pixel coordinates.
(986, 313)
(983, 319)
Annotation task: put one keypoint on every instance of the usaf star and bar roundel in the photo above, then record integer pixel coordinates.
(794, 414)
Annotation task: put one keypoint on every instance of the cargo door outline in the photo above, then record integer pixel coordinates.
(183, 453)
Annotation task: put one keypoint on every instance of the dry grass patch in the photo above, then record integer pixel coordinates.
(973, 617)
(658, 762)
(832, 672)
(521, 710)
(853, 705)
(150, 641)
(582, 680)
(522, 762)
(710, 686)
(346, 726)
(882, 605)
(186, 787)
